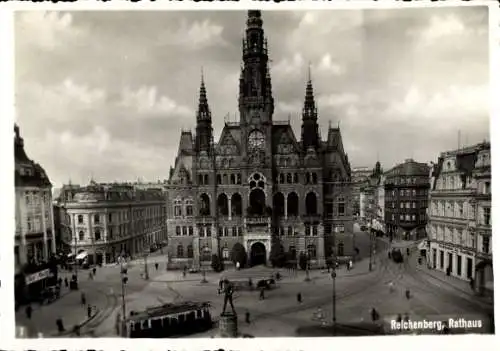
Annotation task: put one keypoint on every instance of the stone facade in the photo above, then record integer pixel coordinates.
(109, 220)
(259, 186)
(460, 221)
(406, 200)
(34, 237)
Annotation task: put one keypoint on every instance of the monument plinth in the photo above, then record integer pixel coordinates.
(228, 325)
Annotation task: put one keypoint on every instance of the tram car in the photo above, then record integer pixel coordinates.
(397, 256)
(169, 321)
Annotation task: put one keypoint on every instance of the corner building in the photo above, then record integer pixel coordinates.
(100, 222)
(460, 223)
(259, 185)
(406, 192)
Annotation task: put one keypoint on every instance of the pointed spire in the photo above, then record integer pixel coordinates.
(203, 108)
(309, 111)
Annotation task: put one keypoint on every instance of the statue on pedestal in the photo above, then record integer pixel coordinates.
(228, 296)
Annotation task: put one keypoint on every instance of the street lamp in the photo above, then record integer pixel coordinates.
(124, 279)
(334, 296)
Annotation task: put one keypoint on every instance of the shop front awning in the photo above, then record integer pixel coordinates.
(82, 255)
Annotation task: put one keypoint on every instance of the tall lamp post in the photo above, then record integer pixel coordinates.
(334, 295)
(124, 280)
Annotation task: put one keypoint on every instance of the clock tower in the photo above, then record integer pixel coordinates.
(256, 103)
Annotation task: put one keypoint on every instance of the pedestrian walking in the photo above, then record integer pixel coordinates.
(278, 276)
(374, 314)
(247, 317)
(59, 282)
(299, 298)
(156, 265)
(76, 330)
(89, 311)
(90, 275)
(391, 287)
(261, 295)
(408, 251)
(471, 283)
(400, 318)
(60, 325)
(237, 265)
(94, 270)
(407, 317)
(407, 293)
(83, 299)
(29, 311)
(250, 283)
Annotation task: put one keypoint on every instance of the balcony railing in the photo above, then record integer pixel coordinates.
(257, 220)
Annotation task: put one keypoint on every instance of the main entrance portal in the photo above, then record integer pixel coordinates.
(257, 254)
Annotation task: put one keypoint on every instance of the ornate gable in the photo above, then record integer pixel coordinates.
(227, 145)
(286, 142)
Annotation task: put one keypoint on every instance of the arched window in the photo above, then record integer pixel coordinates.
(81, 235)
(222, 205)
(236, 205)
(204, 205)
(200, 179)
(180, 251)
(80, 219)
(219, 179)
(308, 178)
(292, 204)
(289, 178)
(282, 178)
(311, 251)
(279, 204)
(314, 178)
(205, 178)
(97, 234)
(224, 179)
(190, 251)
(233, 179)
(295, 178)
(311, 204)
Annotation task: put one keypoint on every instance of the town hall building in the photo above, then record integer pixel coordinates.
(258, 185)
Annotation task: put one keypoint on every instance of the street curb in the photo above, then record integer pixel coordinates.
(444, 281)
(81, 324)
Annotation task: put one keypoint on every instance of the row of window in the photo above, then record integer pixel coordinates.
(119, 216)
(460, 209)
(36, 198)
(410, 192)
(455, 236)
(408, 180)
(409, 218)
(408, 204)
(205, 231)
(35, 224)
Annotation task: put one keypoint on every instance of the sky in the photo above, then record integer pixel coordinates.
(104, 95)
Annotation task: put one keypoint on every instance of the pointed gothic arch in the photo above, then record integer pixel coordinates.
(311, 204)
(279, 204)
(292, 204)
(222, 205)
(236, 205)
(204, 205)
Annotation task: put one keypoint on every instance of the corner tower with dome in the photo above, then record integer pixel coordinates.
(259, 189)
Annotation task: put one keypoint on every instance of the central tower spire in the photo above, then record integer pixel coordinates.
(203, 120)
(255, 80)
(310, 129)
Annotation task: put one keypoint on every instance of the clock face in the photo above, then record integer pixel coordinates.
(256, 140)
